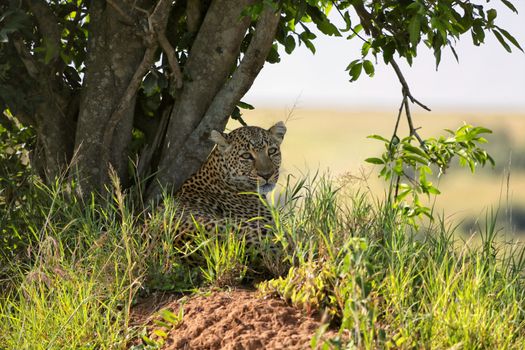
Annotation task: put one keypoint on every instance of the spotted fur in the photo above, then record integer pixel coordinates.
(244, 162)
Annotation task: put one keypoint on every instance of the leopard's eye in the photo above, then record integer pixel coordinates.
(272, 150)
(247, 155)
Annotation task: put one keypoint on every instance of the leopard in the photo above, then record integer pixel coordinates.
(231, 185)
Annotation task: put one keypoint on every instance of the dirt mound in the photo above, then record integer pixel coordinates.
(237, 319)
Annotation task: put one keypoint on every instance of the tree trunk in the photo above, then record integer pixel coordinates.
(114, 52)
(208, 96)
(50, 115)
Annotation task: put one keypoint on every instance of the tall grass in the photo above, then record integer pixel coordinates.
(386, 284)
(89, 264)
(382, 282)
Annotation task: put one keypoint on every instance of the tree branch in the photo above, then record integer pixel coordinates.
(404, 84)
(407, 95)
(31, 65)
(398, 117)
(48, 25)
(146, 157)
(413, 131)
(365, 17)
(368, 25)
(250, 66)
(125, 102)
(157, 22)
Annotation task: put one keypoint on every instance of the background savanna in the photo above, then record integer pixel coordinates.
(335, 141)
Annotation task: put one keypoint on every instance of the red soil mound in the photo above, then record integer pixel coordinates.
(237, 319)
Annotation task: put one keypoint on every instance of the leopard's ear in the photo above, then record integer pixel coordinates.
(220, 140)
(278, 131)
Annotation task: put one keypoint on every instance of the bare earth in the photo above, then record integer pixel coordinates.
(237, 319)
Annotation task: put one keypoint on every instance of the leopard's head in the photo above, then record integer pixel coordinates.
(250, 157)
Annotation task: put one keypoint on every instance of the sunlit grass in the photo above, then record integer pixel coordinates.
(345, 253)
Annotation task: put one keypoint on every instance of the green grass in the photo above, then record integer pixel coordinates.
(382, 282)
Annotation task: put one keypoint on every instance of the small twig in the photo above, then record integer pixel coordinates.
(398, 117)
(157, 24)
(404, 84)
(146, 157)
(398, 181)
(407, 95)
(343, 17)
(394, 135)
(413, 131)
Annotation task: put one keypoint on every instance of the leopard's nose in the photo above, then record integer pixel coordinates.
(266, 175)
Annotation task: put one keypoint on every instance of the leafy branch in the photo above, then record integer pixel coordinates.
(411, 166)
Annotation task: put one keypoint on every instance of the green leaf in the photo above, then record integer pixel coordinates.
(377, 137)
(307, 34)
(149, 341)
(478, 35)
(365, 48)
(355, 71)
(51, 51)
(348, 22)
(502, 40)
(481, 130)
(433, 190)
(149, 84)
(491, 15)
(328, 28)
(454, 53)
(374, 161)
(369, 68)
(160, 333)
(398, 167)
(416, 159)
(509, 5)
(510, 38)
(309, 45)
(414, 30)
(355, 31)
(351, 64)
(289, 44)
(273, 55)
(416, 150)
(301, 9)
(245, 105)
(437, 55)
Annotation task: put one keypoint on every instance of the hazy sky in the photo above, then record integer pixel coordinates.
(485, 77)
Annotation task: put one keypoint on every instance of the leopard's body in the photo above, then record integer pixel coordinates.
(244, 164)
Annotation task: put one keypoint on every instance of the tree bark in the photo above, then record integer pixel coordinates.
(50, 118)
(208, 96)
(115, 50)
